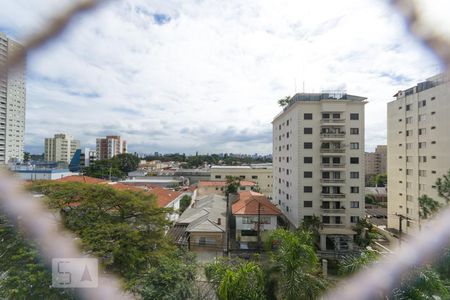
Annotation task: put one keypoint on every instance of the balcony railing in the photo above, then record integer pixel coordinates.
(333, 135)
(332, 196)
(332, 180)
(334, 121)
(333, 210)
(331, 150)
(340, 225)
(324, 166)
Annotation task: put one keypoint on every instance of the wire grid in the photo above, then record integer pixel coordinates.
(39, 225)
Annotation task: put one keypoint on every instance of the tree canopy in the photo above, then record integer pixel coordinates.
(114, 168)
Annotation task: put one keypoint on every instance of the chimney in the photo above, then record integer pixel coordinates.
(219, 221)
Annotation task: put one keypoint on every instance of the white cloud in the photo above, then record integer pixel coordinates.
(208, 79)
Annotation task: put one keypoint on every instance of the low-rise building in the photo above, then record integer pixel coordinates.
(202, 228)
(255, 215)
(261, 174)
(218, 187)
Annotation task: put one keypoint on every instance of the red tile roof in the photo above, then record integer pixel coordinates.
(224, 183)
(249, 203)
(81, 178)
(164, 196)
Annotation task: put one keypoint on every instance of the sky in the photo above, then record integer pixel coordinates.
(186, 76)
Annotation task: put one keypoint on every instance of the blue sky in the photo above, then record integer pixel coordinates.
(187, 76)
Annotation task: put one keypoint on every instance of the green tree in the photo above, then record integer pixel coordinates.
(126, 162)
(104, 169)
(353, 263)
(22, 273)
(26, 156)
(171, 278)
(236, 279)
(380, 180)
(125, 229)
(295, 265)
(443, 187)
(427, 207)
(184, 203)
(232, 185)
(366, 233)
(284, 101)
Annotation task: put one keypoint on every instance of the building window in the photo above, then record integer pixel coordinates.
(354, 130)
(409, 171)
(433, 142)
(422, 103)
(354, 219)
(218, 176)
(409, 132)
(287, 135)
(422, 159)
(287, 171)
(307, 130)
(307, 204)
(354, 160)
(307, 116)
(354, 145)
(307, 174)
(354, 175)
(409, 120)
(287, 123)
(354, 116)
(422, 117)
(422, 173)
(422, 145)
(354, 189)
(325, 116)
(287, 147)
(408, 107)
(287, 158)
(408, 146)
(242, 176)
(307, 189)
(307, 145)
(307, 160)
(354, 204)
(254, 176)
(422, 131)
(336, 116)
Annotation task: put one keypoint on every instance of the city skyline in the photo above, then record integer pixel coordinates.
(192, 77)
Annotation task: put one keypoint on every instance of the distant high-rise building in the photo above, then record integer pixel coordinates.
(110, 146)
(376, 162)
(60, 148)
(318, 164)
(12, 104)
(418, 144)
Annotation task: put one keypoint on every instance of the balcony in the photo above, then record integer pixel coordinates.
(337, 135)
(332, 180)
(332, 166)
(338, 225)
(333, 121)
(333, 210)
(332, 150)
(333, 196)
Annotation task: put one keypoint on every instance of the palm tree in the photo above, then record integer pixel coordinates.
(295, 265)
(285, 101)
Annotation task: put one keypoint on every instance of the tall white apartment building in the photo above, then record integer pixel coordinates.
(418, 148)
(12, 104)
(60, 148)
(318, 164)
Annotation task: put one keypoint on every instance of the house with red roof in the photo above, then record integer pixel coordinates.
(254, 214)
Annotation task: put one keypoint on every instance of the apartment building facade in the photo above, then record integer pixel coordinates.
(110, 146)
(376, 162)
(261, 174)
(418, 148)
(318, 164)
(60, 148)
(12, 104)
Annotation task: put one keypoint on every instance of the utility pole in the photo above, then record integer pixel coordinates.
(259, 226)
